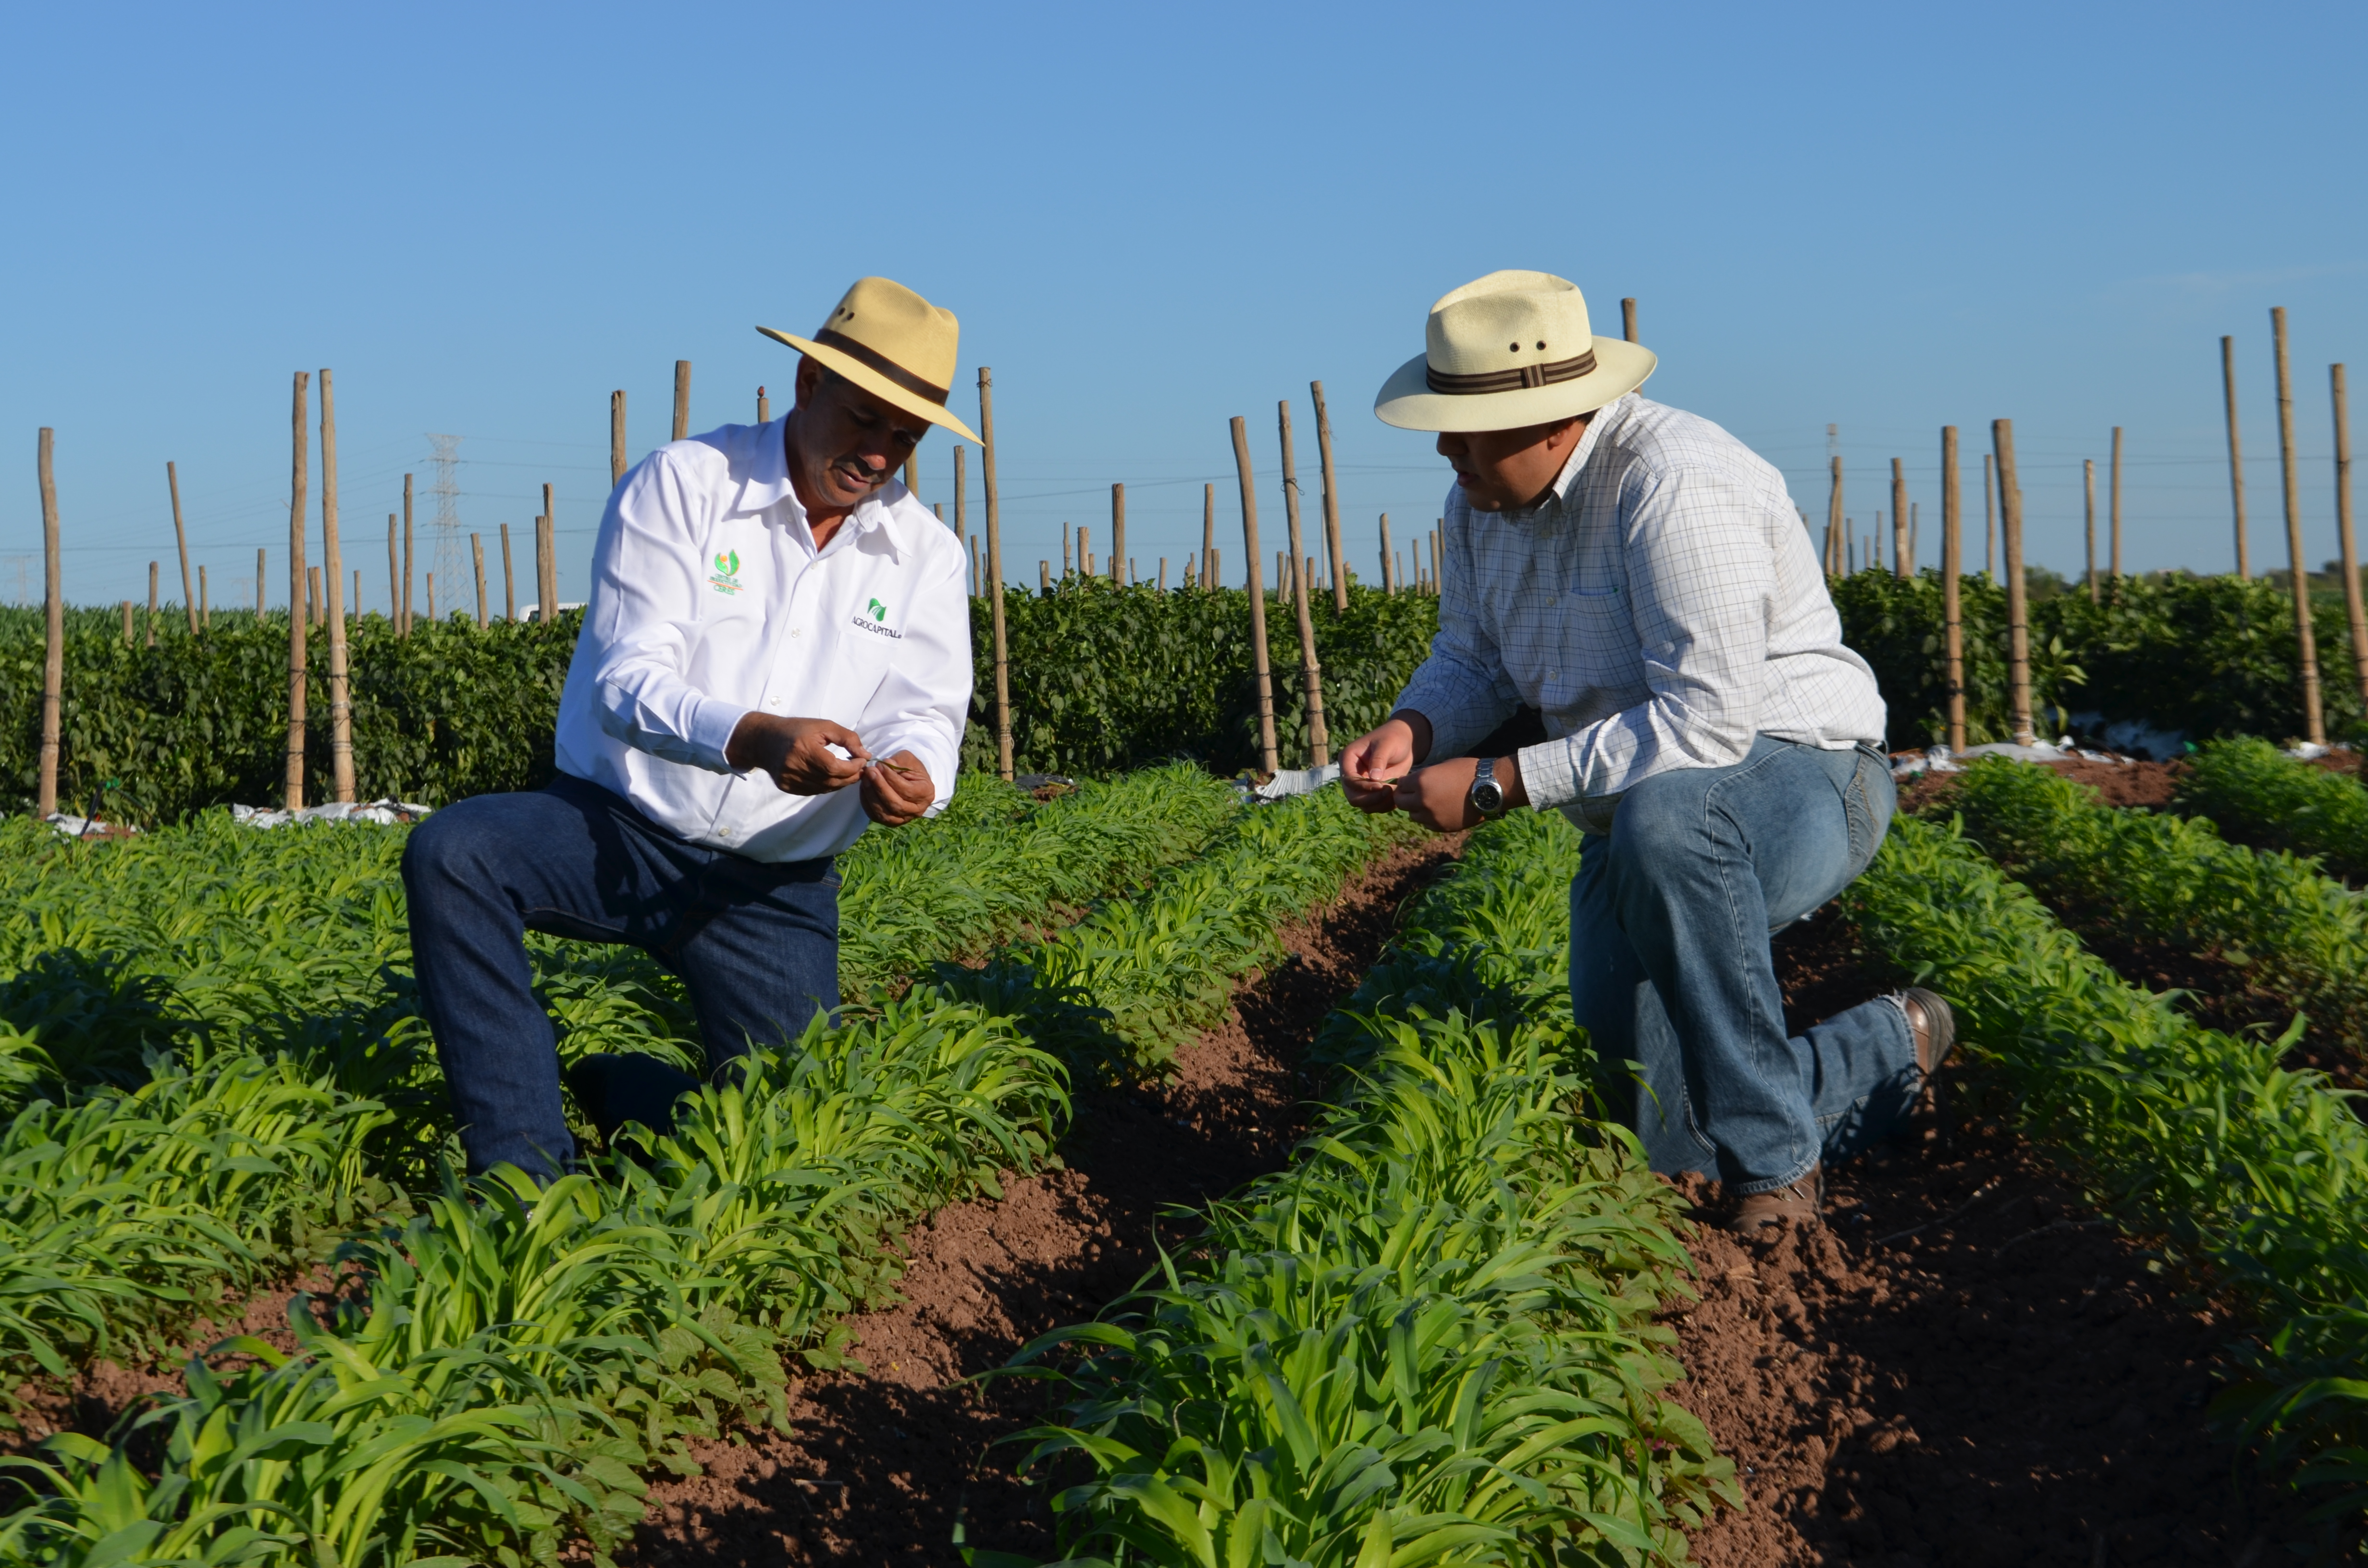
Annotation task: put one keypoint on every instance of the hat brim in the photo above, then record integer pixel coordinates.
(875, 383)
(1407, 401)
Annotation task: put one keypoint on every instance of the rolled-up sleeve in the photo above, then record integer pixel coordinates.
(1700, 574)
(645, 571)
(924, 703)
(1462, 688)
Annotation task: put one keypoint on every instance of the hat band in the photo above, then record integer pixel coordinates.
(871, 358)
(1508, 380)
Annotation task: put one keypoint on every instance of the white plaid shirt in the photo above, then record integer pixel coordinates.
(1660, 607)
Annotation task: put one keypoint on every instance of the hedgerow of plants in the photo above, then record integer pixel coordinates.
(2201, 1138)
(2264, 794)
(524, 1358)
(2293, 933)
(1428, 1340)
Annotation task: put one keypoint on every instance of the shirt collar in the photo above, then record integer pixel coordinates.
(769, 486)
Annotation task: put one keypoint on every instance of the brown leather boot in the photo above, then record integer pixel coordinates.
(1798, 1203)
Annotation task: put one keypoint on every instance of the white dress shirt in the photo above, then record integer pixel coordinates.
(710, 601)
(1660, 607)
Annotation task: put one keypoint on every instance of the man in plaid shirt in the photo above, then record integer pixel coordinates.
(1640, 577)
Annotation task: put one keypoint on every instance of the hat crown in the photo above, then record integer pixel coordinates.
(899, 325)
(1507, 321)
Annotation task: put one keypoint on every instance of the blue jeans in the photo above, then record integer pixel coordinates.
(1669, 966)
(754, 945)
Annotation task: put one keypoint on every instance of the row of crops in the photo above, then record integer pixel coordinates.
(1104, 678)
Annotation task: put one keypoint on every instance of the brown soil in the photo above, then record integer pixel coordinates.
(880, 1468)
(1965, 1366)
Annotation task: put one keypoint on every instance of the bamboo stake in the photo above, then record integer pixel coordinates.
(1117, 530)
(151, 604)
(2017, 630)
(1389, 581)
(477, 554)
(333, 569)
(1989, 517)
(2088, 480)
(2347, 548)
(409, 561)
(1312, 669)
(1836, 528)
(1208, 536)
(547, 586)
(298, 480)
(994, 574)
(1628, 320)
(1953, 564)
(2305, 639)
(617, 437)
(1331, 504)
(681, 398)
(2235, 450)
(2117, 502)
(1900, 565)
(1267, 762)
(181, 539)
(509, 582)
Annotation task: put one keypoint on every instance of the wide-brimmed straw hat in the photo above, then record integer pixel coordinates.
(1509, 351)
(893, 343)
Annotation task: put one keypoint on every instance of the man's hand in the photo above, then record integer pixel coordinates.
(792, 753)
(897, 790)
(1441, 796)
(1374, 764)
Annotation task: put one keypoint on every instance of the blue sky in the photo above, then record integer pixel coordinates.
(1151, 219)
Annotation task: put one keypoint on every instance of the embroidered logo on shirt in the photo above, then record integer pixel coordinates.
(725, 578)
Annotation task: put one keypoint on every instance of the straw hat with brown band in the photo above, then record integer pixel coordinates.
(1509, 351)
(893, 343)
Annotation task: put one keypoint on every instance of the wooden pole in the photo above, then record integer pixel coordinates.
(1837, 529)
(1266, 761)
(2117, 504)
(2347, 549)
(2235, 450)
(616, 438)
(994, 574)
(1339, 559)
(477, 554)
(1989, 517)
(2017, 628)
(1389, 582)
(681, 398)
(333, 570)
(2088, 483)
(298, 480)
(1952, 565)
(547, 586)
(1208, 536)
(1117, 532)
(509, 582)
(151, 604)
(1902, 563)
(409, 560)
(2306, 640)
(181, 539)
(1628, 319)
(1312, 669)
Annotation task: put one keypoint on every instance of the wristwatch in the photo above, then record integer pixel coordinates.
(1488, 796)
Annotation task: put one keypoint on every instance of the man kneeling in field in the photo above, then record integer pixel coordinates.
(1639, 576)
(777, 647)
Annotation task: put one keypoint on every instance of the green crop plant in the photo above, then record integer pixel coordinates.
(2292, 932)
(2198, 1138)
(2261, 793)
(1428, 1340)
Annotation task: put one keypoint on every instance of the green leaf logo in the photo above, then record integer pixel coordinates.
(879, 611)
(728, 563)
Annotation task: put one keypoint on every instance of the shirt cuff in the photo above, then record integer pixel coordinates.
(710, 733)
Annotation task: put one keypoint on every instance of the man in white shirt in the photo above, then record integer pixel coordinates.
(777, 648)
(1640, 577)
